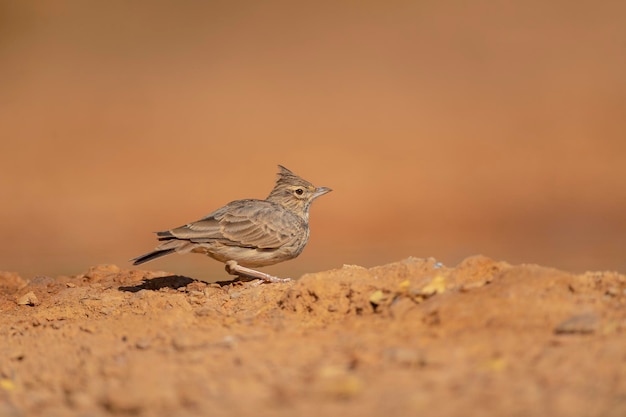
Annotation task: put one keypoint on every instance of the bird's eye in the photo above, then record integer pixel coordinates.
(299, 191)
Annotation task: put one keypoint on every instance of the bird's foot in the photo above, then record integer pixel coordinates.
(233, 268)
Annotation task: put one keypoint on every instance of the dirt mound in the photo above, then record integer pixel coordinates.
(409, 338)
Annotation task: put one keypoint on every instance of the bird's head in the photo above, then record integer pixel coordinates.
(295, 193)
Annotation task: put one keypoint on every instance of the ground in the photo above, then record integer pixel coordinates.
(412, 337)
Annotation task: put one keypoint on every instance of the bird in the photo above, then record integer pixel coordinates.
(249, 233)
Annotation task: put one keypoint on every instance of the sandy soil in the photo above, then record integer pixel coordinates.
(445, 129)
(408, 338)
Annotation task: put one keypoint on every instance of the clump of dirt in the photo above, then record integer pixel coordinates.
(408, 338)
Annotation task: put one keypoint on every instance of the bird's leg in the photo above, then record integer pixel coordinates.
(233, 268)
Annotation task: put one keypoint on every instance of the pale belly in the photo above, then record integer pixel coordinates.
(249, 257)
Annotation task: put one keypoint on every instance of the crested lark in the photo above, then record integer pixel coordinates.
(249, 233)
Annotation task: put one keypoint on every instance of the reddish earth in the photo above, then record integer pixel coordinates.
(444, 128)
(408, 338)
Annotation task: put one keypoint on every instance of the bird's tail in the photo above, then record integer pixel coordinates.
(170, 245)
(152, 255)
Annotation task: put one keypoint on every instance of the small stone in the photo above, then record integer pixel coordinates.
(184, 341)
(106, 311)
(87, 329)
(100, 272)
(436, 286)
(580, 323)
(17, 355)
(206, 312)
(377, 298)
(28, 299)
(143, 343)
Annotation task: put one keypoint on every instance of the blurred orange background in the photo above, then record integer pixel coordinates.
(446, 129)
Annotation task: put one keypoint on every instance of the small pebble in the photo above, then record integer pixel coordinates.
(143, 343)
(28, 299)
(580, 323)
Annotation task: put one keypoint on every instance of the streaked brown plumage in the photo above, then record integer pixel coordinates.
(249, 233)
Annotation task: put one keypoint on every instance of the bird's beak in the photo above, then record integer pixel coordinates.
(321, 191)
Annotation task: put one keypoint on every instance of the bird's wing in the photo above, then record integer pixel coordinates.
(249, 223)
